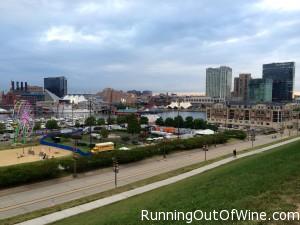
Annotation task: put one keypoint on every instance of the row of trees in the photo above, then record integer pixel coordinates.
(50, 125)
(92, 121)
(132, 121)
(189, 122)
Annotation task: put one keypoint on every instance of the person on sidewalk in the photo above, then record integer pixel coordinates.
(234, 153)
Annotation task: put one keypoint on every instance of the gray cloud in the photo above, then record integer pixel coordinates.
(147, 44)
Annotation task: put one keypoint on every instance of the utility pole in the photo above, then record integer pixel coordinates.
(75, 158)
(282, 125)
(90, 129)
(178, 129)
(110, 108)
(57, 110)
(72, 112)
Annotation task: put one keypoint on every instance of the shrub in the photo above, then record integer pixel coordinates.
(28, 173)
(125, 138)
(83, 144)
(238, 134)
(104, 133)
(90, 121)
(52, 124)
(91, 145)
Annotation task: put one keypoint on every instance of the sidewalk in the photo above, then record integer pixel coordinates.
(115, 198)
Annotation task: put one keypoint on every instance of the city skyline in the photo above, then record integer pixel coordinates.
(143, 44)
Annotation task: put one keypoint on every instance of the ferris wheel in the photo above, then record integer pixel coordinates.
(24, 118)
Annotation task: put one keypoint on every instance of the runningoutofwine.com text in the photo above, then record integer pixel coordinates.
(221, 215)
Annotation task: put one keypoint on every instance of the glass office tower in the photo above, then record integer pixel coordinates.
(56, 85)
(283, 76)
(260, 90)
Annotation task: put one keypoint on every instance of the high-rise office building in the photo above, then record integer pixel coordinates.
(283, 76)
(218, 82)
(56, 85)
(260, 90)
(240, 88)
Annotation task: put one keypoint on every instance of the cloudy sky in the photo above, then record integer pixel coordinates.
(161, 45)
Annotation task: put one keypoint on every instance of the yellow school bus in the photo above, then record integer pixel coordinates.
(102, 147)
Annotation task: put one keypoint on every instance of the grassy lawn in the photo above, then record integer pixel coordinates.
(265, 182)
(86, 139)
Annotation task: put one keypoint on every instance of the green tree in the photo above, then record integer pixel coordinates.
(111, 120)
(2, 128)
(212, 127)
(121, 106)
(77, 124)
(178, 121)
(189, 122)
(101, 121)
(121, 119)
(169, 122)
(52, 124)
(104, 133)
(134, 126)
(144, 120)
(199, 124)
(37, 126)
(90, 121)
(160, 121)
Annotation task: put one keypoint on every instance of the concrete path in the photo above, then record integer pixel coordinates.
(25, 199)
(118, 197)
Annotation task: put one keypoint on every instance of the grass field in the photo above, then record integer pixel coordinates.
(266, 182)
(86, 139)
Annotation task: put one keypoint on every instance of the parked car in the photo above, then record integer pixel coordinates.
(4, 138)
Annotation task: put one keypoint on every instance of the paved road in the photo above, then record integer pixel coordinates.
(29, 198)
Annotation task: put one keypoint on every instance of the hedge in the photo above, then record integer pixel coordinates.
(28, 172)
(238, 134)
(48, 169)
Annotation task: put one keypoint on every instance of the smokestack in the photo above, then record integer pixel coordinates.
(26, 86)
(22, 86)
(12, 85)
(18, 87)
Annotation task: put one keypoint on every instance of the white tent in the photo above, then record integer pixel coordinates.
(184, 105)
(204, 132)
(75, 98)
(124, 148)
(3, 110)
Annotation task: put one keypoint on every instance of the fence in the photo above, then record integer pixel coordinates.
(64, 147)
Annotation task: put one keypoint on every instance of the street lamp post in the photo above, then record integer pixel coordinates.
(281, 130)
(297, 123)
(116, 170)
(74, 166)
(252, 137)
(205, 149)
(282, 125)
(165, 156)
(75, 158)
